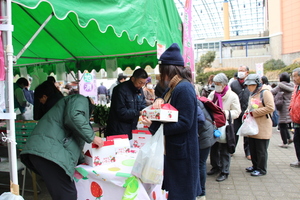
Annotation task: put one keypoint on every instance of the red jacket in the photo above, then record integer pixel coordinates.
(295, 105)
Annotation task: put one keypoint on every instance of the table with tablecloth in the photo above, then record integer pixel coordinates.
(114, 182)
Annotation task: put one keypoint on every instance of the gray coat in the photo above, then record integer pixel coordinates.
(287, 89)
(206, 130)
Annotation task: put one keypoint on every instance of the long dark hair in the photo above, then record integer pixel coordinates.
(172, 70)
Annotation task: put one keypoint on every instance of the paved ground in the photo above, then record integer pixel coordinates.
(281, 182)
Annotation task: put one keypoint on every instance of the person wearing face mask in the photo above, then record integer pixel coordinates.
(243, 93)
(149, 92)
(261, 113)
(224, 97)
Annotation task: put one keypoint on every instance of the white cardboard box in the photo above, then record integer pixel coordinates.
(94, 156)
(167, 113)
(140, 137)
(121, 143)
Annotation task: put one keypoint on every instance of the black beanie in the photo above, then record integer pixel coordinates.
(172, 56)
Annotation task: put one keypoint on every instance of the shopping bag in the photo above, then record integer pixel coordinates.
(28, 114)
(249, 127)
(149, 162)
(222, 129)
(10, 196)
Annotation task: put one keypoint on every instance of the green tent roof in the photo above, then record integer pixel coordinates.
(83, 34)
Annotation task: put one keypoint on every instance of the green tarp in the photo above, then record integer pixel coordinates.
(84, 34)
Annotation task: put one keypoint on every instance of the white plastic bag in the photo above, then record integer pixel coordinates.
(222, 138)
(28, 115)
(249, 127)
(10, 196)
(149, 162)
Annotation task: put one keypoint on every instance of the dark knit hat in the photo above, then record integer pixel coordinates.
(172, 56)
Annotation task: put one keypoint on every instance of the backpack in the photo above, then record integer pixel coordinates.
(216, 113)
(274, 116)
(278, 100)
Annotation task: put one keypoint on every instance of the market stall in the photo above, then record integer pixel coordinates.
(81, 35)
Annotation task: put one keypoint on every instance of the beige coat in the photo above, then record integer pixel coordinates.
(259, 114)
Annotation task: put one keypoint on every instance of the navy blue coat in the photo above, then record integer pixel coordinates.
(181, 166)
(126, 103)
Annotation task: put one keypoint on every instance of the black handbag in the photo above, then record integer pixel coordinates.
(230, 135)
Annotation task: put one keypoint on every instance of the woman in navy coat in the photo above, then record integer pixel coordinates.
(181, 164)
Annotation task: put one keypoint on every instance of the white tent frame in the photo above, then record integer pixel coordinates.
(6, 28)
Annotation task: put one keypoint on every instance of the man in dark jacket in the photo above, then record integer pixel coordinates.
(242, 91)
(126, 104)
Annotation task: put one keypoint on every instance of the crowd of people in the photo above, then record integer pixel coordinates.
(186, 150)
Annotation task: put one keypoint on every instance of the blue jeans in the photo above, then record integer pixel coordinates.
(202, 167)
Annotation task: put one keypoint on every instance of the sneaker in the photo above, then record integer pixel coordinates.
(201, 198)
(222, 177)
(257, 173)
(250, 169)
(283, 146)
(295, 164)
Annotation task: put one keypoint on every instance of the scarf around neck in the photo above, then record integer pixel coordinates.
(174, 81)
(218, 97)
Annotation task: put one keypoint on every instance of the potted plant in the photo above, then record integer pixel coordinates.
(100, 117)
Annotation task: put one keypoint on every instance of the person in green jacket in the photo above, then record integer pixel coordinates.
(55, 145)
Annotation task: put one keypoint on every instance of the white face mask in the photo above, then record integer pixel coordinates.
(218, 88)
(241, 75)
(149, 86)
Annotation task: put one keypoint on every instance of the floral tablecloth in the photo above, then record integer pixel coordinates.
(114, 182)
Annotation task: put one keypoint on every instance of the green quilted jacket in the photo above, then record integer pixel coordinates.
(61, 133)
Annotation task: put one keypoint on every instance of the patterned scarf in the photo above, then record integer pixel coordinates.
(174, 81)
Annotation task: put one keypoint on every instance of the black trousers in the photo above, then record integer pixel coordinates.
(297, 142)
(259, 154)
(59, 184)
(284, 132)
(237, 124)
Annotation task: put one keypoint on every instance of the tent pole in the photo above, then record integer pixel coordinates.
(11, 125)
(34, 36)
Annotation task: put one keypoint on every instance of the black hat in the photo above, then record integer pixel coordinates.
(172, 56)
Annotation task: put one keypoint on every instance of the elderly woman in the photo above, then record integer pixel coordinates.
(261, 105)
(286, 88)
(228, 100)
(181, 163)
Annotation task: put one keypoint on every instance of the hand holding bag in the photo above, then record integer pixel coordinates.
(249, 127)
(149, 162)
(222, 130)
